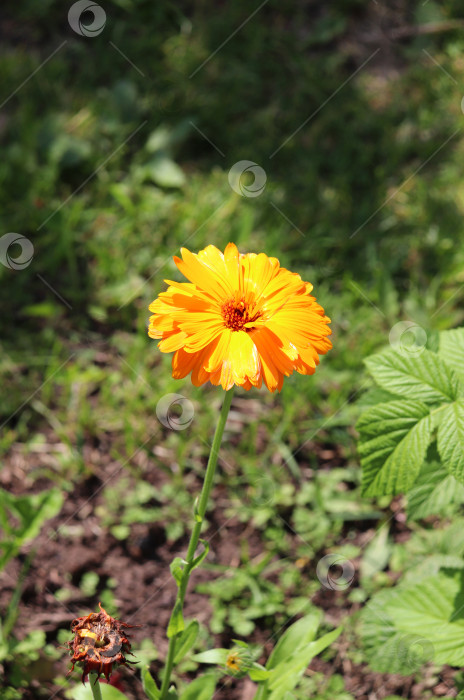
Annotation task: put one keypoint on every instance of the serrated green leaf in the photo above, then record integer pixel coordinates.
(416, 623)
(176, 622)
(393, 443)
(425, 377)
(150, 686)
(451, 439)
(433, 492)
(375, 395)
(391, 417)
(451, 350)
(200, 689)
(186, 640)
(378, 636)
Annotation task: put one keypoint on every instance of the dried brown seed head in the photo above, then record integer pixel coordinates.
(100, 644)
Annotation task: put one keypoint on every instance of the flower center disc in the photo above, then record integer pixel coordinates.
(235, 315)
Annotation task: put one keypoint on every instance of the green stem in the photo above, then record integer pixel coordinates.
(95, 685)
(195, 536)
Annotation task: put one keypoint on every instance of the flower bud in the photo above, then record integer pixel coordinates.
(238, 662)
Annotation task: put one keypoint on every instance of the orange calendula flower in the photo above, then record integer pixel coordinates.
(242, 319)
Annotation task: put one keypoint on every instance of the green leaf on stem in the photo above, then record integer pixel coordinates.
(196, 514)
(258, 673)
(176, 623)
(186, 640)
(240, 643)
(197, 561)
(149, 685)
(299, 634)
(285, 675)
(212, 656)
(177, 569)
